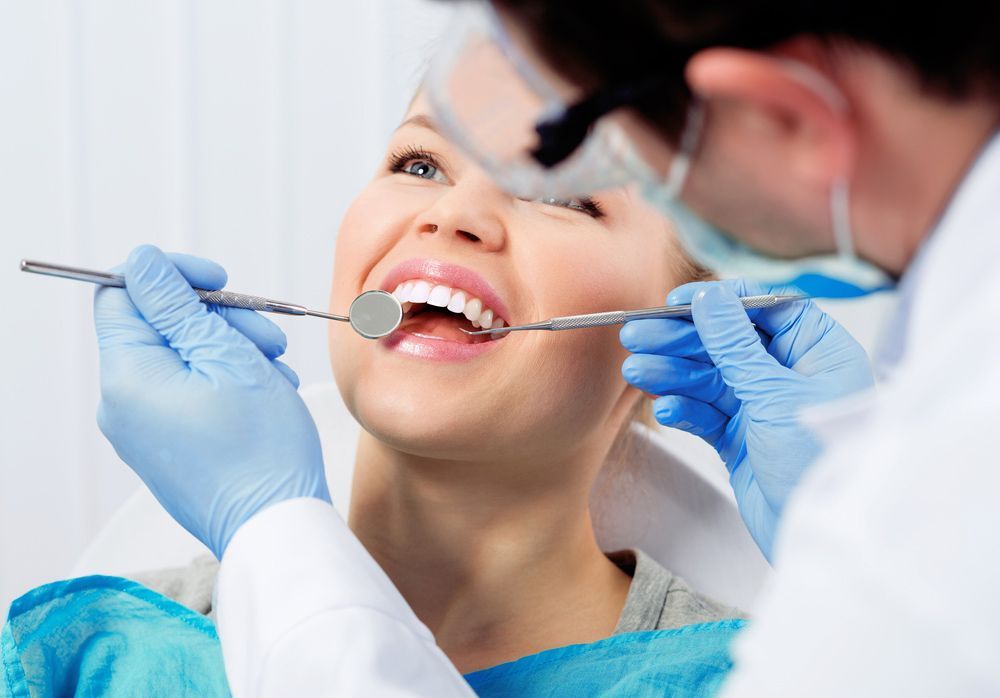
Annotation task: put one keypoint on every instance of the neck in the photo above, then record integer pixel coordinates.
(914, 153)
(499, 560)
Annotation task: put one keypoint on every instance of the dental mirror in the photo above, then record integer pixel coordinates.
(375, 314)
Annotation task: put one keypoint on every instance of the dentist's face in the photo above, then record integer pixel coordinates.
(433, 228)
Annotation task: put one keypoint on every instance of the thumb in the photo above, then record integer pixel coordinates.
(730, 338)
(168, 302)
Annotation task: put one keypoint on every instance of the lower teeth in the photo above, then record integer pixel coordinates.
(461, 322)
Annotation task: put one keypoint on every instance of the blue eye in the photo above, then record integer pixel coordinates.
(419, 168)
(417, 163)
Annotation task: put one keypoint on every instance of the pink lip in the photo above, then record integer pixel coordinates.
(436, 348)
(447, 275)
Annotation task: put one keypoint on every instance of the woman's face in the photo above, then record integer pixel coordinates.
(431, 217)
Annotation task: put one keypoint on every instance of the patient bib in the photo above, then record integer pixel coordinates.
(686, 662)
(100, 636)
(107, 636)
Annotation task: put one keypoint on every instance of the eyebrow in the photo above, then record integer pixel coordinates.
(419, 120)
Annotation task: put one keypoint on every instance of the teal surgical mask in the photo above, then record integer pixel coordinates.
(839, 275)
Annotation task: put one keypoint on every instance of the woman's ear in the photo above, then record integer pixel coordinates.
(799, 113)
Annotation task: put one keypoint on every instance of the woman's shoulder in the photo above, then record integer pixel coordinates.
(660, 600)
(191, 585)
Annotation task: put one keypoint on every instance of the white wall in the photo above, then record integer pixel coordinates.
(234, 129)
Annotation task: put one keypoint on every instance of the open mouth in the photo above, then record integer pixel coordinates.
(442, 312)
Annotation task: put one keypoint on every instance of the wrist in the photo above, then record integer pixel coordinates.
(221, 543)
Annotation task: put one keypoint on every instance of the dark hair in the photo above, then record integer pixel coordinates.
(954, 49)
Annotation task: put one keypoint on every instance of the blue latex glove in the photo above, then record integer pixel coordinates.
(742, 388)
(194, 399)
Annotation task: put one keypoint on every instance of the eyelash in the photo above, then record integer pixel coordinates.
(399, 159)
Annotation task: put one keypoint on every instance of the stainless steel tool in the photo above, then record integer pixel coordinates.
(620, 317)
(373, 314)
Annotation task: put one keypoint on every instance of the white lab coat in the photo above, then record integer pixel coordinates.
(888, 561)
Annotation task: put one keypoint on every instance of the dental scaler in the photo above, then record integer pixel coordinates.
(620, 317)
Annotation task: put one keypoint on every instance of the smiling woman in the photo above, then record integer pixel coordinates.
(478, 454)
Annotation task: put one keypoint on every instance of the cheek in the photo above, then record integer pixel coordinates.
(366, 231)
(574, 377)
(370, 227)
(583, 368)
(616, 273)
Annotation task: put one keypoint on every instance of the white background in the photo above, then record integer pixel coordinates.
(234, 129)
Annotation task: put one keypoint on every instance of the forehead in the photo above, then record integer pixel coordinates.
(420, 114)
(419, 104)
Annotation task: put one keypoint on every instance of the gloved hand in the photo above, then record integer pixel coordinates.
(194, 398)
(742, 388)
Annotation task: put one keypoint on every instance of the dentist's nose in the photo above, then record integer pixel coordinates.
(470, 213)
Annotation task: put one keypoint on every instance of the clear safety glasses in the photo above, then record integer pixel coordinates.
(534, 138)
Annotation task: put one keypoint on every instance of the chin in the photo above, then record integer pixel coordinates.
(424, 423)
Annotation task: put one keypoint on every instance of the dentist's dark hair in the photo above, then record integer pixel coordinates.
(953, 49)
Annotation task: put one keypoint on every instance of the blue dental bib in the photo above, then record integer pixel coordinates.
(108, 636)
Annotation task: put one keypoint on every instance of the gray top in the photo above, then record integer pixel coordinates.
(657, 599)
(191, 586)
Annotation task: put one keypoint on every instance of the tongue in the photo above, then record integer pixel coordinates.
(444, 325)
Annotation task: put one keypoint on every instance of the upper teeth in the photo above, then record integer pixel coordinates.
(455, 300)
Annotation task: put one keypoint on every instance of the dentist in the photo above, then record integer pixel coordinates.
(856, 146)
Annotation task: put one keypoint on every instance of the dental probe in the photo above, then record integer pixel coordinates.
(373, 314)
(620, 317)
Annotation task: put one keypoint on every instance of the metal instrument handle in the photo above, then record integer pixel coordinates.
(619, 317)
(243, 300)
(226, 298)
(751, 302)
(572, 322)
(748, 302)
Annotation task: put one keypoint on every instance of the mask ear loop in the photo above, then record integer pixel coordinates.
(840, 218)
(840, 192)
(677, 175)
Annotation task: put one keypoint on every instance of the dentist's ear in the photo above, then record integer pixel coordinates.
(786, 105)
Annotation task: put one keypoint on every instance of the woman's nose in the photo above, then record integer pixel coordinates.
(469, 213)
